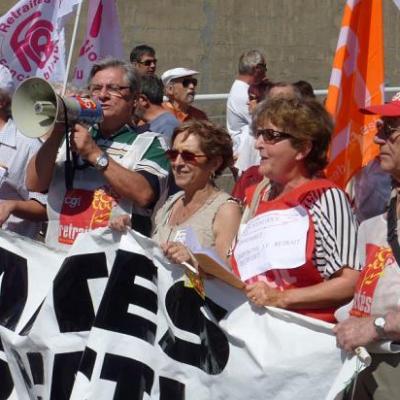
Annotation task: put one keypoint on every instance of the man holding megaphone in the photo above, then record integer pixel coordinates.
(120, 170)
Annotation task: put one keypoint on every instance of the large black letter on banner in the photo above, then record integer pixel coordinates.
(183, 305)
(133, 378)
(73, 304)
(127, 287)
(14, 288)
(64, 370)
(6, 382)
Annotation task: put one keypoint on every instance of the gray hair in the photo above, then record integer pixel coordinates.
(131, 77)
(248, 60)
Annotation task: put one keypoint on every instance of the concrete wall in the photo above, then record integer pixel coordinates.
(298, 37)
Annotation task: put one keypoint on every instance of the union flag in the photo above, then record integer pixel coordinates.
(357, 80)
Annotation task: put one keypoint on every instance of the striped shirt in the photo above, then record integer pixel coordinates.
(335, 231)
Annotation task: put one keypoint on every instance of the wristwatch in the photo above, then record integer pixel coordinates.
(101, 162)
(379, 324)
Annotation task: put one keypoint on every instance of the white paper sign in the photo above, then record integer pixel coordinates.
(273, 240)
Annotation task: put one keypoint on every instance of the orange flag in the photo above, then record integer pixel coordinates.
(356, 81)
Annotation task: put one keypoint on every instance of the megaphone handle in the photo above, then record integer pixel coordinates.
(69, 167)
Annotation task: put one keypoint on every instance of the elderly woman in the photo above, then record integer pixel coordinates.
(199, 152)
(297, 243)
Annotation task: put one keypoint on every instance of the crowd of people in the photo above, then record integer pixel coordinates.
(152, 165)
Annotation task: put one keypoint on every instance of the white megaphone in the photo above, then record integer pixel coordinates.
(36, 107)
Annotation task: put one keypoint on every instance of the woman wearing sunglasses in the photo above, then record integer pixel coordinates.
(297, 244)
(199, 152)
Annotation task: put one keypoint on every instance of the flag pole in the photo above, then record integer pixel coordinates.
(71, 48)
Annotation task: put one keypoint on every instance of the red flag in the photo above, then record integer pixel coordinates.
(356, 81)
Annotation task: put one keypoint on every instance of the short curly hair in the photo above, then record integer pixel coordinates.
(214, 140)
(303, 118)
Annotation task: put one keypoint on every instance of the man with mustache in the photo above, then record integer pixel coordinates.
(119, 170)
(180, 88)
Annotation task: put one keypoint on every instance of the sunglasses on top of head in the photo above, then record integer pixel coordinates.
(186, 156)
(272, 136)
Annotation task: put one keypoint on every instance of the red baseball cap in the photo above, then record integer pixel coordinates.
(390, 109)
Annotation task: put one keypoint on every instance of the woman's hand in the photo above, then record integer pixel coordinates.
(121, 223)
(261, 295)
(176, 252)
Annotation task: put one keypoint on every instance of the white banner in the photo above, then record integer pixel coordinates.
(133, 328)
(32, 39)
(103, 38)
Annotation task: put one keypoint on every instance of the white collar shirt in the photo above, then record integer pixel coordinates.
(15, 152)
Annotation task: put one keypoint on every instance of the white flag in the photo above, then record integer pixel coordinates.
(103, 38)
(32, 39)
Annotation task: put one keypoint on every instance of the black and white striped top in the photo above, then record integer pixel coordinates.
(335, 231)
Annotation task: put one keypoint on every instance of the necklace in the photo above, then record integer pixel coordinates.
(181, 212)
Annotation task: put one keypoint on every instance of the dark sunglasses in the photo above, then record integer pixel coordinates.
(147, 63)
(186, 156)
(187, 81)
(272, 136)
(385, 131)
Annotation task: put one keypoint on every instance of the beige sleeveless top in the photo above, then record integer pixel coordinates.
(201, 222)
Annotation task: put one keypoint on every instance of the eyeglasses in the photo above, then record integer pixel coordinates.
(272, 136)
(253, 97)
(112, 90)
(186, 82)
(186, 156)
(148, 62)
(386, 132)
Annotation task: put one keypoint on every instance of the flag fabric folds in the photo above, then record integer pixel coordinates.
(32, 39)
(103, 38)
(357, 80)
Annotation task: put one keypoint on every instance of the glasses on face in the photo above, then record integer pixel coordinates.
(386, 132)
(188, 81)
(253, 97)
(272, 136)
(112, 90)
(148, 62)
(186, 156)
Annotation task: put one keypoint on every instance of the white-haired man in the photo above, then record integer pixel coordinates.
(252, 69)
(180, 88)
(124, 171)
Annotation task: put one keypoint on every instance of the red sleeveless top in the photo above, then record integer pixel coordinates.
(307, 274)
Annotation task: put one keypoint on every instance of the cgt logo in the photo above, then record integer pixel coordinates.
(72, 202)
(31, 41)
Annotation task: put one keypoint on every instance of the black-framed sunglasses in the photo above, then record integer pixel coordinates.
(385, 130)
(272, 136)
(148, 63)
(186, 155)
(187, 81)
